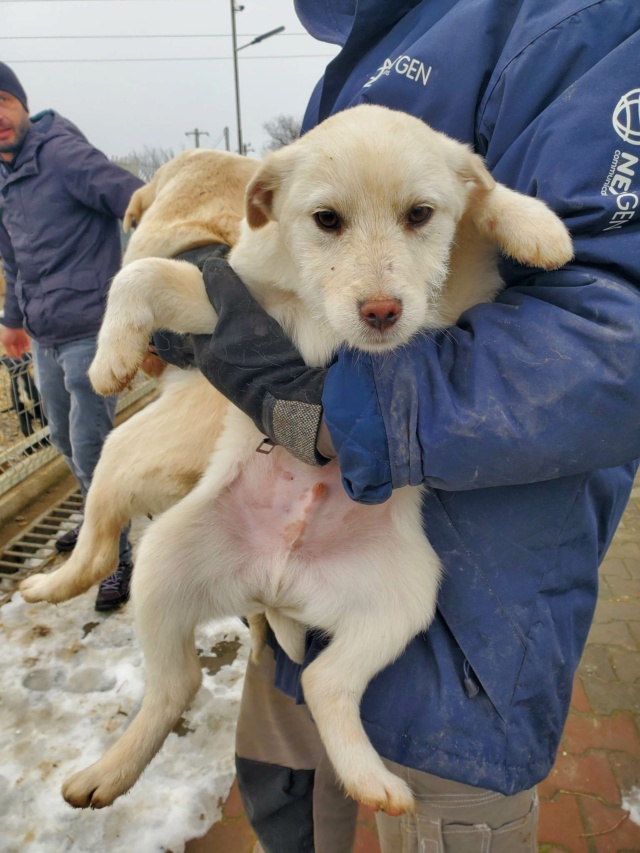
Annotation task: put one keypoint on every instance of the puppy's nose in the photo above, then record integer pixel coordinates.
(381, 314)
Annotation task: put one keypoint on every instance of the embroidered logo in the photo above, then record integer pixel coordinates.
(626, 117)
(412, 69)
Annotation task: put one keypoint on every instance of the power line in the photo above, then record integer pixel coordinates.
(93, 1)
(165, 58)
(143, 36)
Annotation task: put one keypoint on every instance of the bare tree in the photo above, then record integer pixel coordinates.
(283, 130)
(146, 162)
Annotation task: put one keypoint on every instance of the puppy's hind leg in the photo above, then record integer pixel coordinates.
(333, 687)
(173, 590)
(96, 553)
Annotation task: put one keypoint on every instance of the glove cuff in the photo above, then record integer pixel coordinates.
(294, 425)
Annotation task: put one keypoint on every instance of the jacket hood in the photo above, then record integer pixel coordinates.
(327, 20)
(332, 20)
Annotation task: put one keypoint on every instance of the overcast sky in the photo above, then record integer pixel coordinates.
(75, 56)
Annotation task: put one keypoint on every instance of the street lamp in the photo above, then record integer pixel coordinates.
(256, 40)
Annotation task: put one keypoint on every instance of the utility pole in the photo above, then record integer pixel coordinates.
(197, 133)
(225, 132)
(234, 39)
(242, 148)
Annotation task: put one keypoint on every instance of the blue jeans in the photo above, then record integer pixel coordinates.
(79, 419)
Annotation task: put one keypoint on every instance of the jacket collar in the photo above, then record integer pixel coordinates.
(26, 162)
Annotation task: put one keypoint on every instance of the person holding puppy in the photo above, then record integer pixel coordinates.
(522, 420)
(60, 205)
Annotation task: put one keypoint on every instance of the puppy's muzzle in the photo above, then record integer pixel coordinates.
(381, 314)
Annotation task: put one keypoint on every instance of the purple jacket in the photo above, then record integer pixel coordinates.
(60, 202)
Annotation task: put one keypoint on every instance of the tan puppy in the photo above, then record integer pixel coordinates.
(371, 206)
(157, 456)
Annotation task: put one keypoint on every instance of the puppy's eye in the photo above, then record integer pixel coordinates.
(419, 215)
(328, 220)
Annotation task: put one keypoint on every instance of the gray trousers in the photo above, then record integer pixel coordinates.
(295, 804)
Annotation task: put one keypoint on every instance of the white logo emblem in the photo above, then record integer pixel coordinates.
(626, 117)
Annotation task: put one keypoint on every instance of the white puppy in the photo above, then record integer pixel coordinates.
(371, 214)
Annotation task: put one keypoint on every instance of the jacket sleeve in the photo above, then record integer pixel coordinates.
(12, 317)
(545, 382)
(93, 180)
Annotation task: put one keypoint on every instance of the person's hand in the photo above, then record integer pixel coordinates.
(15, 341)
(250, 360)
(153, 366)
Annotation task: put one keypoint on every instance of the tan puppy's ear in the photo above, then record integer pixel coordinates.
(259, 202)
(141, 200)
(264, 185)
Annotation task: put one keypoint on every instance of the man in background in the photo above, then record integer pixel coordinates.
(60, 205)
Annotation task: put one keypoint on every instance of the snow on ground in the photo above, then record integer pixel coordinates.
(71, 681)
(631, 802)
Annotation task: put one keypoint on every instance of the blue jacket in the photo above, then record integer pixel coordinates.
(523, 420)
(60, 202)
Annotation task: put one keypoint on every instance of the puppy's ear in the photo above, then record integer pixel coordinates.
(141, 200)
(259, 202)
(471, 169)
(264, 186)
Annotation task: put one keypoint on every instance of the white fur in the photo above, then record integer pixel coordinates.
(269, 534)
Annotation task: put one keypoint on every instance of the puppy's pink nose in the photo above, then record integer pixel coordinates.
(381, 314)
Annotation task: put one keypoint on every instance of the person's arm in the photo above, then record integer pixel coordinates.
(14, 339)
(93, 180)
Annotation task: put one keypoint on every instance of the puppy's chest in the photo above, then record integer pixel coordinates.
(281, 507)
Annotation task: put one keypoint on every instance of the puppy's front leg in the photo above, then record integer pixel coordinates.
(149, 294)
(523, 227)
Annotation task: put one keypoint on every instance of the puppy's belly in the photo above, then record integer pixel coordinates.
(279, 508)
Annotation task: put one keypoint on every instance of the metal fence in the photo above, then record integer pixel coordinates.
(24, 435)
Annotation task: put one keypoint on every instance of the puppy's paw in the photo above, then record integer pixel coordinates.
(384, 792)
(39, 587)
(549, 248)
(115, 366)
(524, 228)
(94, 788)
(55, 587)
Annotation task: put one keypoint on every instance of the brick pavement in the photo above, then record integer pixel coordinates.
(597, 770)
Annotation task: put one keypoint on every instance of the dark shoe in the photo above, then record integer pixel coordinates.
(114, 590)
(67, 542)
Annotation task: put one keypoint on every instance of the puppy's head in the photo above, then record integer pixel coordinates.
(367, 205)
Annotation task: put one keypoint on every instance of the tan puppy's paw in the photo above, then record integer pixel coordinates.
(117, 361)
(94, 788)
(39, 587)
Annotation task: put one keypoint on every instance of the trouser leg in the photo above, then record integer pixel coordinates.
(288, 786)
(90, 415)
(454, 818)
(79, 419)
(55, 399)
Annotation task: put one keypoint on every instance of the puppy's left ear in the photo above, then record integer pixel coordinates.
(264, 186)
